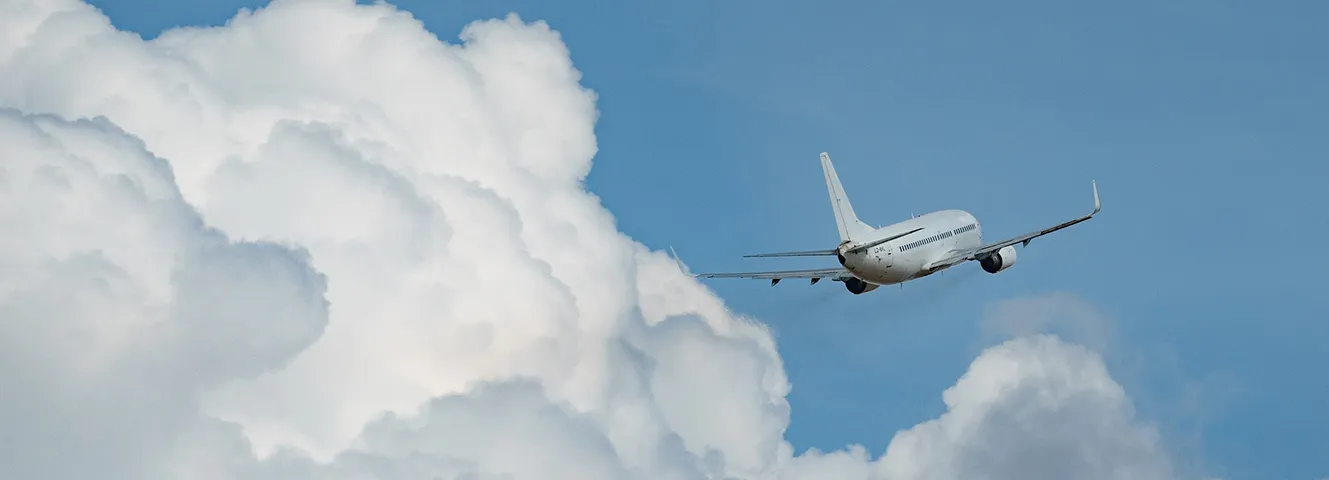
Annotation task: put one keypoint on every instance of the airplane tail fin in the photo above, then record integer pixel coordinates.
(850, 227)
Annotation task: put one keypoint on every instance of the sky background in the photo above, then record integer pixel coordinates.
(1205, 123)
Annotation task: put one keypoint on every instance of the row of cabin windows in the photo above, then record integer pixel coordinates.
(937, 237)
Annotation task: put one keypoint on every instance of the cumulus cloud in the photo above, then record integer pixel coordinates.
(318, 242)
(1033, 407)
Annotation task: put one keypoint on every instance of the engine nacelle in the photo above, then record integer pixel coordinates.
(859, 287)
(999, 260)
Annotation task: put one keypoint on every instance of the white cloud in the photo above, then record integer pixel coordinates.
(371, 256)
(1033, 407)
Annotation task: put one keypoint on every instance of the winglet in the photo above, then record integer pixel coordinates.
(1097, 206)
(678, 262)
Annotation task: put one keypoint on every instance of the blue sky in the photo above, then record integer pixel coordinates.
(1205, 123)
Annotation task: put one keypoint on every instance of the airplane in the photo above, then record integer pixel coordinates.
(908, 250)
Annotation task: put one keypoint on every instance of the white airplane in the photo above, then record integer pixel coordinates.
(915, 248)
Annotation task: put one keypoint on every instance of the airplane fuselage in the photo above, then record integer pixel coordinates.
(905, 258)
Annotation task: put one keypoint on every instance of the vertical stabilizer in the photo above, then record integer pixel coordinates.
(851, 229)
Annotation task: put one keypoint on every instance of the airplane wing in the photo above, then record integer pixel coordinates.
(975, 253)
(838, 273)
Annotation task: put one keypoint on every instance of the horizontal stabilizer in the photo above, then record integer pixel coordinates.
(864, 247)
(808, 253)
(835, 273)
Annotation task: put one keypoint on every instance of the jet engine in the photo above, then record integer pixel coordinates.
(859, 287)
(999, 260)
